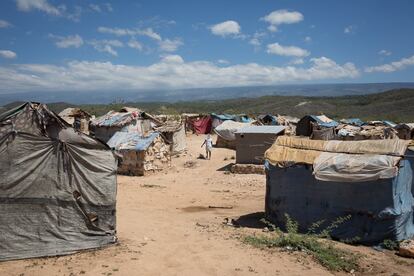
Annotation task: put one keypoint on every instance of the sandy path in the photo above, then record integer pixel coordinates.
(166, 228)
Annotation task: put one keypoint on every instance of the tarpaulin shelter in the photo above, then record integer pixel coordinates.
(127, 119)
(369, 182)
(200, 125)
(267, 119)
(253, 141)
(353, 122)
(140, 154)
(173, 133)
(305, 125)
(226, 136)
(77, 118)
(57, 186)
(218, 119)
(405, 131)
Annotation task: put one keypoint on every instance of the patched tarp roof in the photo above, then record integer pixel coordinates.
(74, 112)
(113, 118)
(223, 117)
(324, 121)
(228, 129)
(344, 160)
(131, 141)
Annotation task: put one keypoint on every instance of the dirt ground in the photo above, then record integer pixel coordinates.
(165, 227)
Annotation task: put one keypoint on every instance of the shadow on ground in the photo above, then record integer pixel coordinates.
(226, 168)
(251, 220)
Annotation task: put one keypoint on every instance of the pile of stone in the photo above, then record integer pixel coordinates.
(248, 169)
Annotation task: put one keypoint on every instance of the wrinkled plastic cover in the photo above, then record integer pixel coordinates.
(57, 187)
(228, 129)
(342, 167)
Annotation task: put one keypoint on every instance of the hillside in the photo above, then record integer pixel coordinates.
(395, 105)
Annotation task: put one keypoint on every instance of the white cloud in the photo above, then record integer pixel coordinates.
(384, 53)
(168, 45)
(172, 59)
(7, 54)
(277, 49)
(4, 24)
(272, 28)
(392, 67)
(95, 7)
(41, 5)
(256, 39)
(149, 33)
(170, 72)
(100, 8)
(308, 39)
(68, 41)
(351, 29)
(226, 28)
(223, 61)
(45, 6)
(135, 44)
(108, 7)
(130, 32)
(280, 17)
(297, 61)
(255, 42)
(106, 46)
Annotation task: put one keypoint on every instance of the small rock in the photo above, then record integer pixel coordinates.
(407, 249)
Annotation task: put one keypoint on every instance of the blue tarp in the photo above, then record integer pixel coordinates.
(269, 118)
(324, 124)
(246, 119)
(223, 117)
(378, 210)
(131, 141)
(389, 123)
(353, 121)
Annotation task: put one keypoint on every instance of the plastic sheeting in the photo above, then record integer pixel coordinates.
(353, 121)
(202, 125)
(131, 141)
(342, 167)
(378, 210)
(228, 129)
(346, 161)
(57, 186)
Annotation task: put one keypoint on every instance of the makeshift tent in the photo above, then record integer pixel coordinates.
(353, 122)
(323, 133)
(57, 186)
(173, 133)
(305, 125)
(268, 119)
(368, 182)
(127, 119)
(77, 118)
(218, 119)
(140, 154)
(199, 125)
(226, 133)
(405, 131)
(253, 141)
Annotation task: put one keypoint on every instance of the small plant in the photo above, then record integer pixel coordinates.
(323, 251)
(390, 245)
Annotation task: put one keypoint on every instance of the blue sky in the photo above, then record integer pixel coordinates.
(131, 45)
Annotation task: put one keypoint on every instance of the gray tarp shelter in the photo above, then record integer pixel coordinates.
(253, 141)
(57, 186)
(370, 181)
